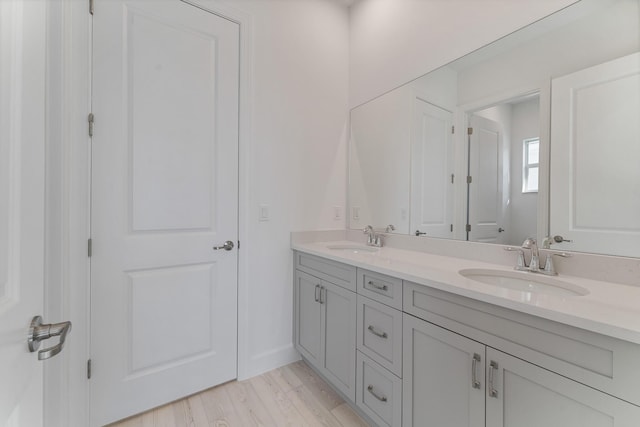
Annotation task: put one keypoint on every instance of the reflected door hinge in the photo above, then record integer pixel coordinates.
(89, 247)
(468, 228)
(451, 228)
(453, 177)
(238, 244)
(91, 5)
(453, 129)
(469, 131)
(89, 369)
(90, 119)
(469, 179)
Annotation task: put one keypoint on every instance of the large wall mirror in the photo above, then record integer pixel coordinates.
(534, 135)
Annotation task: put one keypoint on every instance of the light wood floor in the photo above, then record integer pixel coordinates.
(289, 396)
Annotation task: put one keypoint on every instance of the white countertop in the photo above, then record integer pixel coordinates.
(609, 309)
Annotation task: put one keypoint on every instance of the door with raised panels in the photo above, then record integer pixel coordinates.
(432, 169)
(164, 194)
(22, 161)
(595, 196)
(487, 205)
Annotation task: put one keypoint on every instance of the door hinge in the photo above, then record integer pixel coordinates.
(89, 369)
(452, 178)
(469, 179)
(451, 228)
(90, 120)
(238, 244)
(89, 248)
(453, 129)
(468, 228)
(91, 6)
(469, 131)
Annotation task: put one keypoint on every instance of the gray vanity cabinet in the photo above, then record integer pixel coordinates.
(450, 380)
(325, 323)
(525, 395)
(443, 377)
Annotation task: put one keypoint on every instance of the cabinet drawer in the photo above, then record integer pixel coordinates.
(378, 392)
(380, 333)
(601, 362)
(384, 289)
(331, 271)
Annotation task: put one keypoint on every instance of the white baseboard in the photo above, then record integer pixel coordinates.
(269, 360)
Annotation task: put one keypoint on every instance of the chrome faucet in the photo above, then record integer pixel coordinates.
(534, 266)
(374, 237)
(534, 263)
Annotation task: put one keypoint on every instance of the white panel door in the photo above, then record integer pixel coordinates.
(486, 210)
(22, 148)
(164, 193)
(595, 152)
(432, 169)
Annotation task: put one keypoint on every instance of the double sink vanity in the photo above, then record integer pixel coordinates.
(412, 338)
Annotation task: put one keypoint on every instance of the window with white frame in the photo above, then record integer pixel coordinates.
(530, 165)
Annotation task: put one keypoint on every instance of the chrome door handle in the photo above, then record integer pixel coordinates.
(376, 395)
(493, 367)
(500, 230)
(315, 294)
(382, 288)
(228, 245)
(39, 332)
(373, 330)
(475, 383)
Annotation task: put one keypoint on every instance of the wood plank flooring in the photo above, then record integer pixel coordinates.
(289, 396)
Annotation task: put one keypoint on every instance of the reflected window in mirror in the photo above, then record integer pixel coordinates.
(530, 165)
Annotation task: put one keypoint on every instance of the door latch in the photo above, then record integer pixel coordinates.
(39, 332)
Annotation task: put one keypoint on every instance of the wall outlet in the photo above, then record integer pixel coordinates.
(263, 214)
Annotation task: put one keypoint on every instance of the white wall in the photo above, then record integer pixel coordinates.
(296, 161)
(394, 41)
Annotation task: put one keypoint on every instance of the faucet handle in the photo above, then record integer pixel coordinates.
(549, 266)
(367, 229)
(521, 263)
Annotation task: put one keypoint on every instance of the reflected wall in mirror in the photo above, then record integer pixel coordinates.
(464, 151)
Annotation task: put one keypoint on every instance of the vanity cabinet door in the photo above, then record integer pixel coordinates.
(443, 377)
(339, 334)
(308, 317)
(525, 395)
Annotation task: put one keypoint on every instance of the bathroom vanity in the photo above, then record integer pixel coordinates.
(413, 339)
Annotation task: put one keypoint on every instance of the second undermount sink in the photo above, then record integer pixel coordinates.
(353, 248)
(524, 281)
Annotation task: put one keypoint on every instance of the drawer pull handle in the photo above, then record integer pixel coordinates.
(376, 395)
(475, 383)
(494, 367)
(381, 287)
(376, 333)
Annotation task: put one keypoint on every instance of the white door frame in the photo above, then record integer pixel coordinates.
(68, 198)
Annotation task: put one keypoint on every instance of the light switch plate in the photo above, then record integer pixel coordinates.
(264, 213)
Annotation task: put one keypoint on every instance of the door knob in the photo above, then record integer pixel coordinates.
(228, 245)
(39, 332)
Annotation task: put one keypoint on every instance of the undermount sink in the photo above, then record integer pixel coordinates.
(524, 281)
(353, 248)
